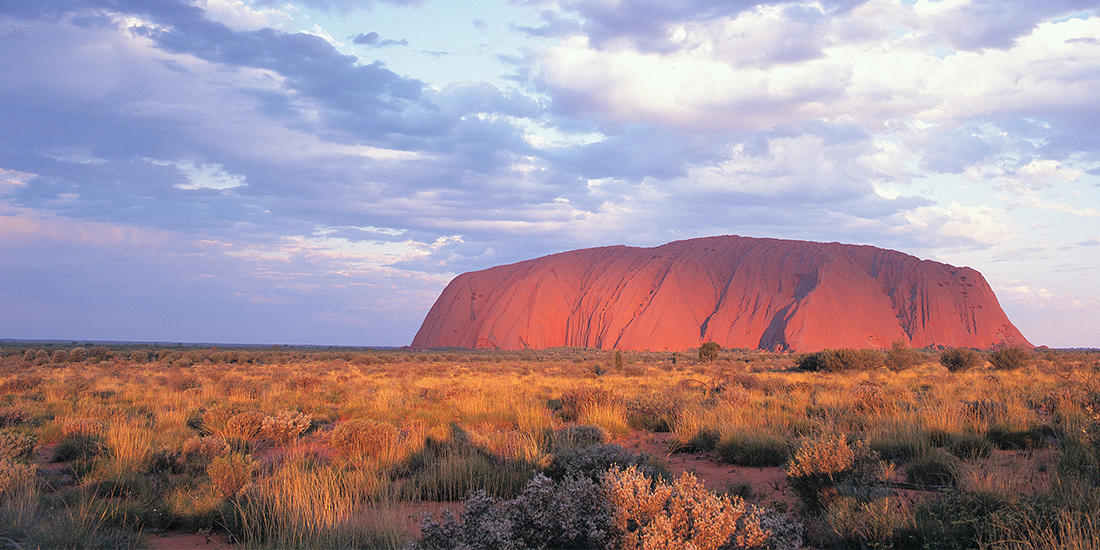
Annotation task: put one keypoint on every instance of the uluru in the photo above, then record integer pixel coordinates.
(740, 292)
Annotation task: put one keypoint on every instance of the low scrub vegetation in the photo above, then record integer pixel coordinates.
(332, 447)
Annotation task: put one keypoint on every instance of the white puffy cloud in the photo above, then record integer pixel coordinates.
(957, 227)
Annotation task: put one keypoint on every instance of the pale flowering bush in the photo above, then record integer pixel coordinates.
(652, 515)
(285, 426)
(594, 460)
(623, 509)
(826, 466)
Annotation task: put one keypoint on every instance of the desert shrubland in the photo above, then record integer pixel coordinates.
(301, 447)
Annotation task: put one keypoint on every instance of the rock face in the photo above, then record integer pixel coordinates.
(737, 291)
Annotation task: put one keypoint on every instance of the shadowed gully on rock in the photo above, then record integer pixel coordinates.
(737, 291)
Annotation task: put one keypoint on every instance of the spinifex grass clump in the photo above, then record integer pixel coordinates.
(454, 469)
(753, 449)
(935, 468)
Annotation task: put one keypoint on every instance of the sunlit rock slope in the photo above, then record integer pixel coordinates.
(737, 291)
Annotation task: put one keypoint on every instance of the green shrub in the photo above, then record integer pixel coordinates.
(961, 520)
(708, 351)
(901, 356)
(839, 360)
(571, 513)
(753, 449)
(959, 359)
(936, 468)
(1010, 358)
(703, 440)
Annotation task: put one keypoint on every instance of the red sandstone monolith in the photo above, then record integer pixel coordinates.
(740, 292)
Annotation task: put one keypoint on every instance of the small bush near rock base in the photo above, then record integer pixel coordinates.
(901, 356)
(1010, 358)
(839, 360)
(959, 359)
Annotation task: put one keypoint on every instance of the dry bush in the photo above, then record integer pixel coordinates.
(230, 473)
(367, 439)
(20, 384)
(285, 426)
(653, 515)
(16, 445)
(857, 523)
(869, 398)
(246, 425)
(300, 506)
(130, 444)
(199, 452)
(18, 496)
(12, 416)
(576, 400)
(179, 381)
(828, 454)
(83, 427)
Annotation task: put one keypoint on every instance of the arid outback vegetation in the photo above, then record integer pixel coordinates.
(112, 447)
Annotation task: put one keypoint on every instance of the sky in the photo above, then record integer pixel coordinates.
(316, 171)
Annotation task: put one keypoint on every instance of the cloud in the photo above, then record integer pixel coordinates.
(373, 40)
(341, 6)
(211, 149)
(957, 227)
(979, 24)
